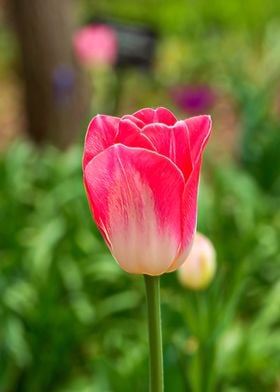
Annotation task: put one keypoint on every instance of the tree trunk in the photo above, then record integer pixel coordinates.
(55, 93)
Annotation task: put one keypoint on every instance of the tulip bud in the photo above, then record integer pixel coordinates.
(199, 268)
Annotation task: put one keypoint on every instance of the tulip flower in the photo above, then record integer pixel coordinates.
(141, 174)
(199, 268)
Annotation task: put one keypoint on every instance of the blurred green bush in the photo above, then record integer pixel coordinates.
(60, 291)
(194, 18)
(71, 320)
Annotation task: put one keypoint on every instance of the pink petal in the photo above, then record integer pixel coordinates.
(131, 136)
(189, 216)
(101, 134)
(172, 142)
(135, 196)
(199, 131)
(135, 120)
(159, 115)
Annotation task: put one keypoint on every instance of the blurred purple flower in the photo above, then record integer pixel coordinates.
(193, 99)
(63, 81)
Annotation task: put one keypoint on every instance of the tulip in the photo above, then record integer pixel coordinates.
(141, 174)
(199, 268)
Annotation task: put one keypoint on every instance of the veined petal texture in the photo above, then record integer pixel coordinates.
(136, 200)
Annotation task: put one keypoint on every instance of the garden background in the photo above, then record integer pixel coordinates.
(70, 319)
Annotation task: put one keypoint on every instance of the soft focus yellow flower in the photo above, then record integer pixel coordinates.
(199, 268)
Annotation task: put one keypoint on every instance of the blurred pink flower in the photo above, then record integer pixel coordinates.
(96, 45)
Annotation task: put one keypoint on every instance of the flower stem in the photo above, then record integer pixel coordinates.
(152, 284)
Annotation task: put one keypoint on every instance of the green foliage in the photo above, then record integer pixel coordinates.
(71, 320)
(192, 17)
(254, 84)
(60, 290)
(228, 336)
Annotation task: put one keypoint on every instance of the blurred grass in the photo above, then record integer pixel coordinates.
(72, 320)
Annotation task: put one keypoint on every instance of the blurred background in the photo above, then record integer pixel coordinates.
(71, 320)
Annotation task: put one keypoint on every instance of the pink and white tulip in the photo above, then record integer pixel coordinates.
(141, 174)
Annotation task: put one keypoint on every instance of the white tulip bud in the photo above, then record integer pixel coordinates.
(199, 268)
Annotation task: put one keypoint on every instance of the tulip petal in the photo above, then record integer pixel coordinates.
(159, 115)
(199, 131)
(131, 136)
(101, 134)
(189, 216)
(124, 187)
(135, 120)
(172, 142)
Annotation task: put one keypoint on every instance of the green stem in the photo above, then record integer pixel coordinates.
(152, 284)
